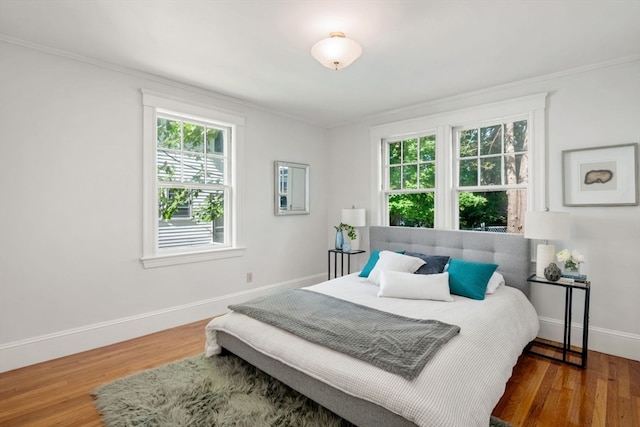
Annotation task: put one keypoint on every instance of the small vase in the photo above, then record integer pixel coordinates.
(339, 240)
(571, 268)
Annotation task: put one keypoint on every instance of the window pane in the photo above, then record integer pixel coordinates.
(468, 172)
(516, 169)
(491, 171)
(168, 134)
(410, 151)
(491, 140)
(495, 211)
(427, 175)
(168, 166)
(204, 225)
(411, 210)
(193, 168)
(469, 143)
(193, 138)
(215, 170)
(410, 176)
(215, 141)
(395, 153)
(520, 136)
(428, 148)
(394, 177)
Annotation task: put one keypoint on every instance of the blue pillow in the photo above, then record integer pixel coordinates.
(469, 279)
(434, 263)
(373, 259)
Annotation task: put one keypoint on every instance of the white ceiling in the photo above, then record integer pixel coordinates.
(258, 51)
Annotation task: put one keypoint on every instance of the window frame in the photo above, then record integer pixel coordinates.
(532, 108)
(155, 104)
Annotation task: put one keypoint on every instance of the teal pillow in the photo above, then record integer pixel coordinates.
(469, 279)
(373, 259)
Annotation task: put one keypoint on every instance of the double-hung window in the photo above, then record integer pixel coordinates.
(409, 179)
(492, 174)
(191, 193)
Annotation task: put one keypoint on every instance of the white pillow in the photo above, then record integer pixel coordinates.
(396, 284)
(495, 282)
(395, 262)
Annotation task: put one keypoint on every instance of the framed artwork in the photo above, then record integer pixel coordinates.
(600, 176)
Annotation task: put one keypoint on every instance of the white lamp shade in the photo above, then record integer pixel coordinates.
(336, 52)
(546, 225)
(354, 217)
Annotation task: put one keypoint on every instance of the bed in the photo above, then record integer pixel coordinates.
(462, 382)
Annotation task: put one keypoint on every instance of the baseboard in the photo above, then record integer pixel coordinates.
(622, 344)
(34, 350)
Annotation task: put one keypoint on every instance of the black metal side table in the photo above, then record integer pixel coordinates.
(566, 349)
(335, 253)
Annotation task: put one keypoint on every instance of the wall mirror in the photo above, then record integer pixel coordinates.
(291, 188)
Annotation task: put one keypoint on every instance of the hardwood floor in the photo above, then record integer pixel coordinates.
(540, 393)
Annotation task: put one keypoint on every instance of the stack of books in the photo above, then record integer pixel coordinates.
(580, 278)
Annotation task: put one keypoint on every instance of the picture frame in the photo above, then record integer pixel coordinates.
(600, 176)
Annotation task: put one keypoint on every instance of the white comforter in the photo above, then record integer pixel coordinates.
(460, 386)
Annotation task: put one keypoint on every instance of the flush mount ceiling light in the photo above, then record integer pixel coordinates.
(337, 51)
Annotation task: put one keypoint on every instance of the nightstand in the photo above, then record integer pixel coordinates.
(566, 349)
(335, 253)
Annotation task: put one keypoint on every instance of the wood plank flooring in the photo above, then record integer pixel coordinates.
(540, 393)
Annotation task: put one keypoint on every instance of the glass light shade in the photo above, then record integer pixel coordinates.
(336, 52)
(354, 217)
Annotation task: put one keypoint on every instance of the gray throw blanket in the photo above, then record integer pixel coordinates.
(397, 344)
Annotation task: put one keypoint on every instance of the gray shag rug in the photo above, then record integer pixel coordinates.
(221, 391)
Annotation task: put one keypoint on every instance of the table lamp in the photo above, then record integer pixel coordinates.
(546, 226)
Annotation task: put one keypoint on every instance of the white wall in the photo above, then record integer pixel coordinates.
(70, 211)
(585, 108)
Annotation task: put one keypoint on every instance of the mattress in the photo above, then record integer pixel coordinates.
(459, 386)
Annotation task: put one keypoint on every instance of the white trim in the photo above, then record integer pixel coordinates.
(188, 257)
(531, 106)
(38, 349)
(151, 255)
(617, 343)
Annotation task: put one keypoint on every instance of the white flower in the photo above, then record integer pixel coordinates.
(574, 257)
(577, 257)
(564, 255)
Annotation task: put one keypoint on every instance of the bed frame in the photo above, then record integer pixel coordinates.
(510, 251)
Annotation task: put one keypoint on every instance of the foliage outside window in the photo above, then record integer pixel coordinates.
(492, 176)
(192, 161)
(410, 180)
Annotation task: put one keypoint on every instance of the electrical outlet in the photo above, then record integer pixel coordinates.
(249, 277)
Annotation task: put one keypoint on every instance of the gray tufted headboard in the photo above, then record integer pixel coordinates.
(510, 251)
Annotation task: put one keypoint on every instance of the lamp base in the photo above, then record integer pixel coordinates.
(546, 254)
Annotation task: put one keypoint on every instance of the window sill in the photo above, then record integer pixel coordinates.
(189, 257)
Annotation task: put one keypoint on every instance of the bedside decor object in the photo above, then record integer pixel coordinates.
(339, 237)
(600, 176)
(571, 260)
(552, 272)
(546, 226)
(351, 220)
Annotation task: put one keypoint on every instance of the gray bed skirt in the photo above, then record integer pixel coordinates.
(357, 411)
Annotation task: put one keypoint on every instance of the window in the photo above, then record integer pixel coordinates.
(492, 176)
(410, 180)
(191, 160)
(478, 168)
(190, 188)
